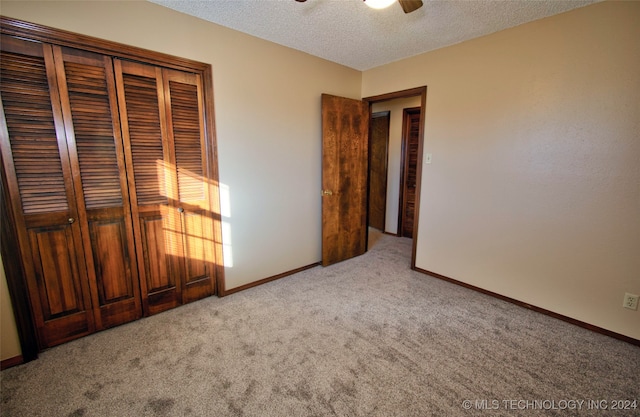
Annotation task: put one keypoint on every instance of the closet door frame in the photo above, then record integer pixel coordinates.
(44, 34)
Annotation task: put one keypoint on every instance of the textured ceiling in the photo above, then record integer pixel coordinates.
(350, 33)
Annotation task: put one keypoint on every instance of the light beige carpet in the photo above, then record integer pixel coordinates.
(366, 337)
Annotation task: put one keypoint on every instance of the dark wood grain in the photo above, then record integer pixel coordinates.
(378, 155)
(40, 186)
(186, 129)
(345, 129)
(152, 183)
(163, 128)
(90, 110)
(161, 284)
(27, 30)
(410, 144)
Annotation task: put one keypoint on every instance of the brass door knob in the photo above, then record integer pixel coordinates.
(327, 192)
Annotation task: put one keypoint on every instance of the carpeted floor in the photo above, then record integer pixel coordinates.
(366, 337)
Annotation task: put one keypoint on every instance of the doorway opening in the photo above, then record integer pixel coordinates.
(403, 165)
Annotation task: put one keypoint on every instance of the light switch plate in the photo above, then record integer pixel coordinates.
(427, 158)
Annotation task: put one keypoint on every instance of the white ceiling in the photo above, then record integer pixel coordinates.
(350, 33)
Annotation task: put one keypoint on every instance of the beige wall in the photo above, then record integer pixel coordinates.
(394, 159)
(534, 188)
(267, 105)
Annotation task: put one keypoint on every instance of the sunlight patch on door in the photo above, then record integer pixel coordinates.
(188, 222)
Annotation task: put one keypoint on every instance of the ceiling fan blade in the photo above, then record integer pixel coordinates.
(410, 5)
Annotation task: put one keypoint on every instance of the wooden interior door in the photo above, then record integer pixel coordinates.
(90, 110)
(345, 128)
(411, 141)
(39, 182)
(378, 151)
(183, 97)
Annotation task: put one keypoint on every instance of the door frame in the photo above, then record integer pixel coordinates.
(412, 92)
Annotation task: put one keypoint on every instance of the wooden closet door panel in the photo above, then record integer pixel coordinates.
(39, 182)
(90, 108)
(159, 244)
(61, 298)
(183, 96)
(152, 183)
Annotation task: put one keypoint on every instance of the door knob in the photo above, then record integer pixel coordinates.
(327, 192)
(71, 220)
(180, 210)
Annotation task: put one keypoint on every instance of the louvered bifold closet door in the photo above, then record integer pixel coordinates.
(90, 110)
(183, 97)
(39, 181)
(162, 116)
(152, 184)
